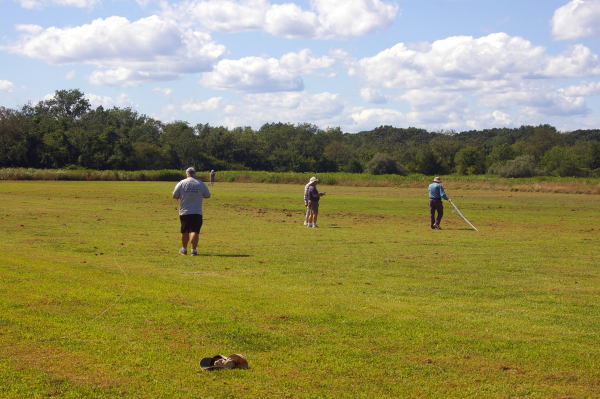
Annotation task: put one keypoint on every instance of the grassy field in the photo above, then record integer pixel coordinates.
(95, 302)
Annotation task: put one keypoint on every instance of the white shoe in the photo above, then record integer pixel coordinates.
(308, 224)
(315, 226)
(305, 223)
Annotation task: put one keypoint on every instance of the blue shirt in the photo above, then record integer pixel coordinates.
(311, 191)
(437, 191)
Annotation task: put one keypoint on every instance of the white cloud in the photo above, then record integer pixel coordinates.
(209, 105)
(578, 61)
(252, 74)
(576, 20)
(220, 15)
(583, 89)
(122, 101)
(6, 86)
(71, 75)
(327, 19)
(164, 92)
(303, 63)
(373, 96)
(323, 109)
(38, 4)
(377, 117)
(266, 75)
(452, 78)
(537, 98)
(502, 119)
(125, 53)
(454, 62)
(345, 18)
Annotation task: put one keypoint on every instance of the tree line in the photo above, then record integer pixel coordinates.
(65, 132)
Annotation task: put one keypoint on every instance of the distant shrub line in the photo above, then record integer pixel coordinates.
(472, 182)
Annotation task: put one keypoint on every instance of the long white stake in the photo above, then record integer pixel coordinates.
(463, 216)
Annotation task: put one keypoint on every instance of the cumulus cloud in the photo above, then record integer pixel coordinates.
(322, 109)
(373, 96)
(122, 101)
(266, 75)
(164, 92)
(38, 4)
(71, 75)
(379, 116)
(576, 20)
(126, 53)
(304, 63)
(583, 89)
(209, 105)
(6, 86)
(579, 61)
(326, 19)
(252, 74)
(457, 75)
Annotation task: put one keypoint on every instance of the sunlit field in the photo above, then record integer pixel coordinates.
(96, 302)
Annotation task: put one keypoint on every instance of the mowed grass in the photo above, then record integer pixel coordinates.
(95, 301)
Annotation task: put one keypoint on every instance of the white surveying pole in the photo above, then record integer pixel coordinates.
(462, 216)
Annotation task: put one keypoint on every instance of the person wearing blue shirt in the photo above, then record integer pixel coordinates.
(436, 193)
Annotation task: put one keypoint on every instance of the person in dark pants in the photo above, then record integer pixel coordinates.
(436, 193)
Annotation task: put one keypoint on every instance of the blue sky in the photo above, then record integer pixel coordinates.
(356, 64)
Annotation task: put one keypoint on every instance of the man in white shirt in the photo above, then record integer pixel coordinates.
(190, 192)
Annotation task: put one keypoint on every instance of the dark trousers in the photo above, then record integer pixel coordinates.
(435, 204)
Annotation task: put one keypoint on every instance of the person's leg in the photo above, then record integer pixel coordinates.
(307, 215)
(185, 239)
(440, 211)
(315, 219)
(194, 240)
(432, 212)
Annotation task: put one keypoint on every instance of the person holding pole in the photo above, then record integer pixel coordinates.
(436, 193)
(190, 192)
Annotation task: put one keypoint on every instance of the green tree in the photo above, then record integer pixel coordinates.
(470, 161)
(501, 153)
(561, 161)
(384, 164)
(71, 104)
(428, 163)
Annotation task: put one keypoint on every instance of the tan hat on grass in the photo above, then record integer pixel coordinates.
(313, 179)
(235, 361)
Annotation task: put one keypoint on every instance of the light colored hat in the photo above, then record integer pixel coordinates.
(437, 180)
(234, 361)
(190, 171)
(313, 179)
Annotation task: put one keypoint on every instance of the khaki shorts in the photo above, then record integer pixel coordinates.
(313, 206)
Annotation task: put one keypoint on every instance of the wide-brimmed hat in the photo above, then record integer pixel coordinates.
(437, 180)
(313, 179)
(235, 361)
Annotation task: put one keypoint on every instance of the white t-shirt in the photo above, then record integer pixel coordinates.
(190, 192)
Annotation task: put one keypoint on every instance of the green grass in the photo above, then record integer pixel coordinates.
(96, 303)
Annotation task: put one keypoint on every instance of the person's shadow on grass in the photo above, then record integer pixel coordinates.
(226, 255)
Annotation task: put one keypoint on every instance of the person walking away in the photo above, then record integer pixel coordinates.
(436, 193)
(306, 199)
(212, 177)
(190, 192)
(313, 202)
